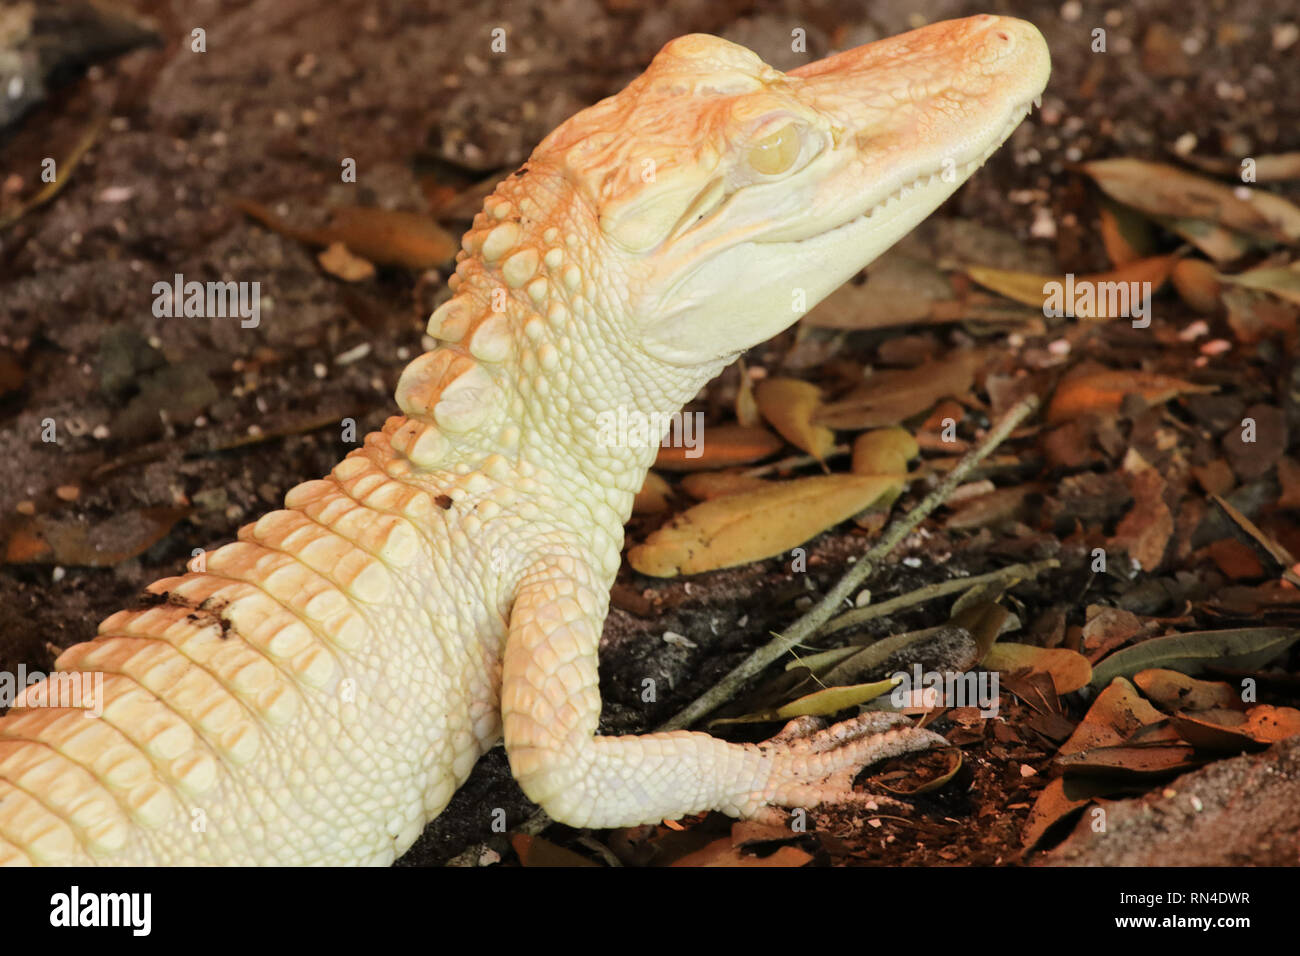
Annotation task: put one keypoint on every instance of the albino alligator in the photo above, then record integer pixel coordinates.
(316, 691)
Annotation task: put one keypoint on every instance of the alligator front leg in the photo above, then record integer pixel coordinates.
(551, 706)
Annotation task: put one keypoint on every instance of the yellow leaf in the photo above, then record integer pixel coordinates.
(1084, 297)
(822, 703)
(885, 451)
(746, 408)
(832, 700)
(790, 405)
(737, 529)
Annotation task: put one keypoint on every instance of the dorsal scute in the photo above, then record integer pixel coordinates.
(448, 387)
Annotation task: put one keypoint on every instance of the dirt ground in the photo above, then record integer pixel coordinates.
(172, 432)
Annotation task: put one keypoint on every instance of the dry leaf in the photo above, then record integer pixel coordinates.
(1069, 670)
(534, 851)
(750, 526)
(899, 289)
(1102, 393)
(953, 758)
(1126, 233)
(723, 853)
(338, 261)
(1145, 531)
(1245, 648)
(1141, 761)
(1288, 476)
(382, 236)
(891, 397)
(1274, 168)
(1100, 296)
(706, 485)
(653, 497)
(1233, 731)
(1173, 691)
(720, 446)
(1254, 446)
(1255, 316)
(822, 703)
(1164, 190)
(1283, 282)
(790, 406)
(885, 451)
(1112, 719)
(747, 413)
(46, 539)
(1197, 284)
(1058, 800)
(998, 507)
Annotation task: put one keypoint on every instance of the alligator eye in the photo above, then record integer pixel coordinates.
(776, 153)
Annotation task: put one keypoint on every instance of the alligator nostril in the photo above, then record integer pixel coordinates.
(1002, 36)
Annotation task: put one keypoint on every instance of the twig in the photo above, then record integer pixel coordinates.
(1013, 572)
(821, 612)
(63, 172)
(793, 462)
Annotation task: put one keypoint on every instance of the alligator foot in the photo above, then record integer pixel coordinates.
(815, 765)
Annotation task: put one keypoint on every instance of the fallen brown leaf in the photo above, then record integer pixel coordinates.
(720, 446)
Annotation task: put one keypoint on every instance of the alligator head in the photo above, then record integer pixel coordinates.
(733, 197)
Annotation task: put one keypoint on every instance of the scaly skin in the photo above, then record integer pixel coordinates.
(316, 691)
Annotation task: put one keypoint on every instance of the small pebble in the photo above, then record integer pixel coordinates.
(678, 640)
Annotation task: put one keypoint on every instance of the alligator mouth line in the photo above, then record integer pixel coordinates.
(925, 180)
